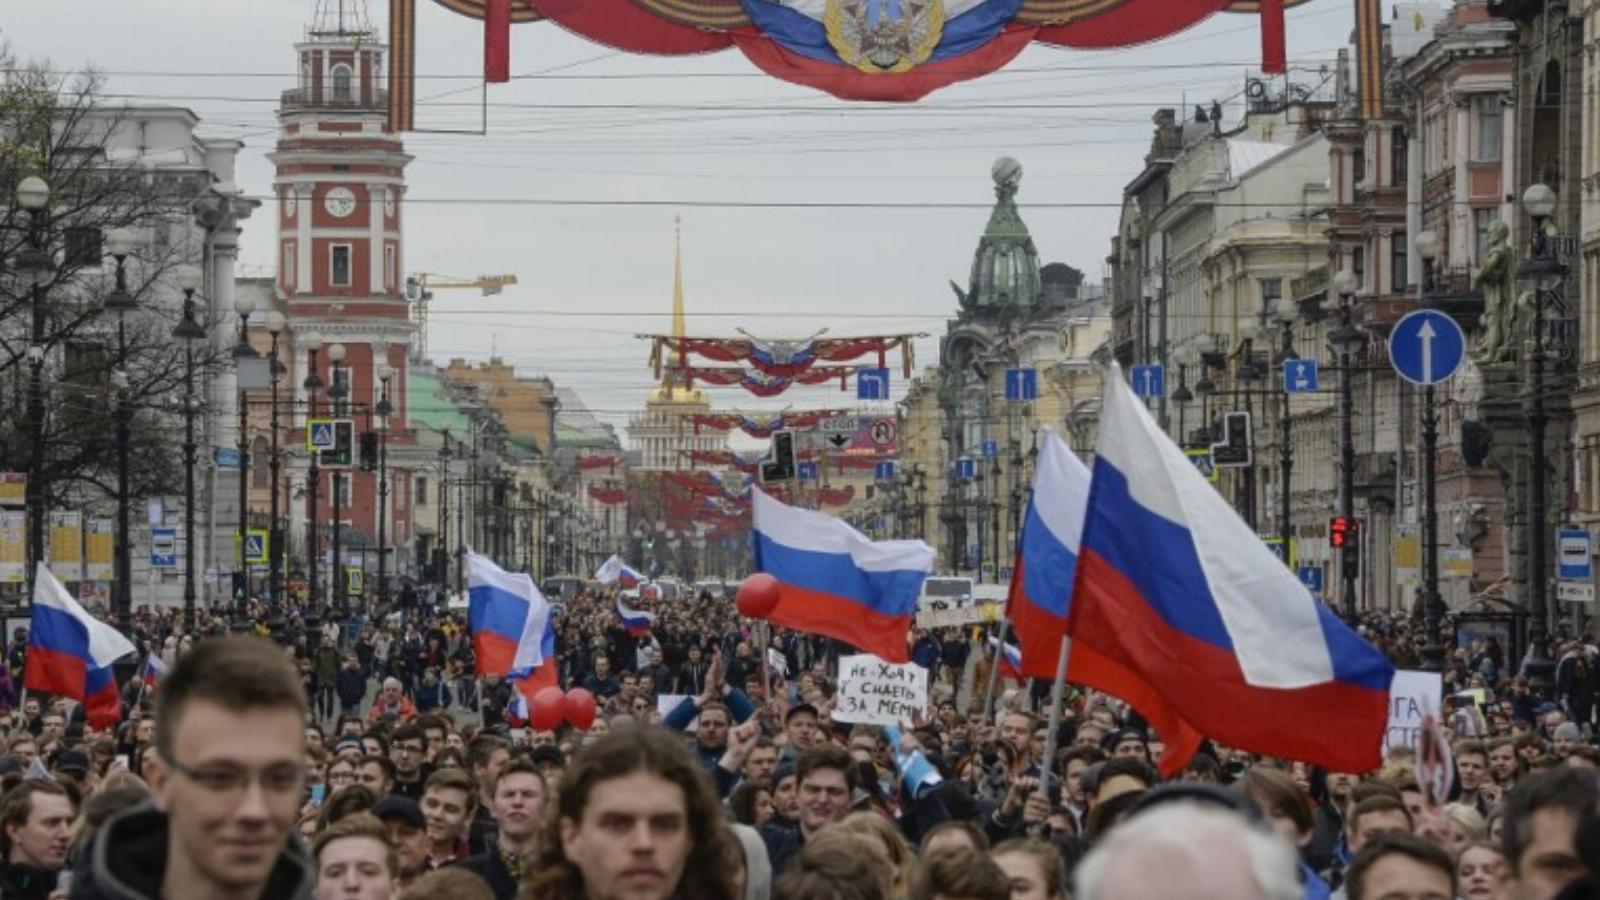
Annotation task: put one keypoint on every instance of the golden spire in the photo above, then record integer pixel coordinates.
(678, 329)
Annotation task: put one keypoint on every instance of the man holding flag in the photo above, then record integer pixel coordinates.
(512, 636)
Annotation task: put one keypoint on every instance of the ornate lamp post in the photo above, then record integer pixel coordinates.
(384, 372)
(1546, 273)
(1346, 339)
(1249, 373)
(313, 385)
(336, 395)
(1186, 356)
(243, 354)
(188, 331)
(275, 326)
(119, 243)
(1284, 311)
(1427, 248)
(33, 195)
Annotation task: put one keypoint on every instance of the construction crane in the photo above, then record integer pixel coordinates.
(420, 288)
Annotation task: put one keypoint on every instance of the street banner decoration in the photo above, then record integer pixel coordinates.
(762, 384)
(66, 545)
(592, 463)
(835, 581)
(99, 550)
(13, 546)
(878, 50)
(13, 489)
(766, 424)
(1180, 610)
(610, 496)
(875, 692)
(780, 358)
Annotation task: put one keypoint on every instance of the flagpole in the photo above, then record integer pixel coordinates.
(483, 716)
(994, 673)
(1047, 765)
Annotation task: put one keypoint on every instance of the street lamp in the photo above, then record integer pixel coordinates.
(120, 243)
(336, 395)
(313, 385)
(188, 331)
(1186, 356)
(1284, 311)
(1346, 339)
(441, 554)
(1248, 372)
(275, 325)
(243, 353)
(33, 195)
(1427, 247)
(384, 372)
(1545, 272)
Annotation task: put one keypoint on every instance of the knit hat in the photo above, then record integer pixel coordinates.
(1567, 731)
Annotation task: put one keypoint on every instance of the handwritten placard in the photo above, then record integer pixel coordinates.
(1411, 695)
(874, 692)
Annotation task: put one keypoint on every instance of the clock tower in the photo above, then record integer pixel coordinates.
(340, 186)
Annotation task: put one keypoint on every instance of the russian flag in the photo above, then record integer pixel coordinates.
(543, 675)
(70, 652)
(615, 571)
(1181, 610)
(1010, 661)
(636, 621)
(508, 618)
(1047, 556)
(154, 668)
(835, 582)
(517, 712)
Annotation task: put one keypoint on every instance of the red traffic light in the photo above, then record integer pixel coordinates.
(1343, 531)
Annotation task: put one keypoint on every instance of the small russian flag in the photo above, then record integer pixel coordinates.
(1011, 662)
(154, 668)
(615, 571)
(517, 714)
(636, 621)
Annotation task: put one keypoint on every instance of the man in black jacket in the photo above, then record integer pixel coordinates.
(37, 821)
(519, 795)
(351, 686)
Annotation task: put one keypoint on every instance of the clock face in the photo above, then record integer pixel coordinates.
(388, 202)
(291, 199)
(340, 202)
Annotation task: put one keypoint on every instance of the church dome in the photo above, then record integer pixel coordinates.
(1005, 269)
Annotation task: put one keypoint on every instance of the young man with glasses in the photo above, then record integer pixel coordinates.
(409, 751)
(226, 782)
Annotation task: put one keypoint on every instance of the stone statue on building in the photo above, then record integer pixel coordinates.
(1494, 279)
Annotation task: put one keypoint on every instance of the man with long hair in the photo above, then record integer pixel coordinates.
(636, 819)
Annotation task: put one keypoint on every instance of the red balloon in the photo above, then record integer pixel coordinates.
(547, 710)
(757, 596)
(580, 708)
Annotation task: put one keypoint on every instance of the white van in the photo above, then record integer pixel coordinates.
(945, 592)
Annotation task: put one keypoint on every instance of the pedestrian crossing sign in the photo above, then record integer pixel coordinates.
(320, 434)
(1202, 460)
(355, 580)
(255, 546)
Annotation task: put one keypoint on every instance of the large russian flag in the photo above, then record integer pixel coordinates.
(508, 618)
(70, 652)
(1183, 612)
(1047, 556)
(836, 582)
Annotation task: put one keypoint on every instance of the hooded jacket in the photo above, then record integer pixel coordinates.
(127, 859)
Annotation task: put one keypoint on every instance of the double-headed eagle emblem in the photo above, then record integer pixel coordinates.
(884, 36)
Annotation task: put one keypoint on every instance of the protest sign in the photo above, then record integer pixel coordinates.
(874, 692)
(1412, 694)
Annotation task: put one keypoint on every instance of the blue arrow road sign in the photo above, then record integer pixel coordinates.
(226, 457)
(872, 384)
(1149, 381)
(966, 468)
(1022, 384)
(991, 449)
(1300, 375)
(807, 471)
(885, 471)
(1426, 347)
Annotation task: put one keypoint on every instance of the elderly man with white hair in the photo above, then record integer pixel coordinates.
(1184, 850)
(392, 705)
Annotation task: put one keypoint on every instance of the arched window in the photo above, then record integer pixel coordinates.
(341, 84)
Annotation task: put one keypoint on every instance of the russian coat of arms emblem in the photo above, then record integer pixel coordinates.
(884, 36)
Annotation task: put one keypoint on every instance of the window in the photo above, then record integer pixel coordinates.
(1358, 265)
(341, 84)
(1399, 261)
(1359, 165)
(83, 247)
(339, 269)
(260, 464)
(1399, 155)
(341, 378)
(1271, 291)
(289, 260)
(346, 494)
(422, 490)
(1482, 221)
(388, 267)
(1490, 118)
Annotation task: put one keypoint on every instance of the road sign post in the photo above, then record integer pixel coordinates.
(1300, 376)
(1149, 381)
(1022, 384)
(1425, 348)
(872, 384)
(1573, 559)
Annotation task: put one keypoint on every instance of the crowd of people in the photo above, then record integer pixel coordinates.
(363, 759)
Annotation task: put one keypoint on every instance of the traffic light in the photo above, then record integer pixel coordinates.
(369, 450)
(241, 586)
(1339, 532)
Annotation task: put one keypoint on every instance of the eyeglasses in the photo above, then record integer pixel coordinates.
(341, 777)
(285, 778)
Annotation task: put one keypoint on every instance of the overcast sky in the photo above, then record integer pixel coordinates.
(699, 137)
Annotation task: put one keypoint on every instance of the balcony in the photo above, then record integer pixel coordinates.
(304, 97)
